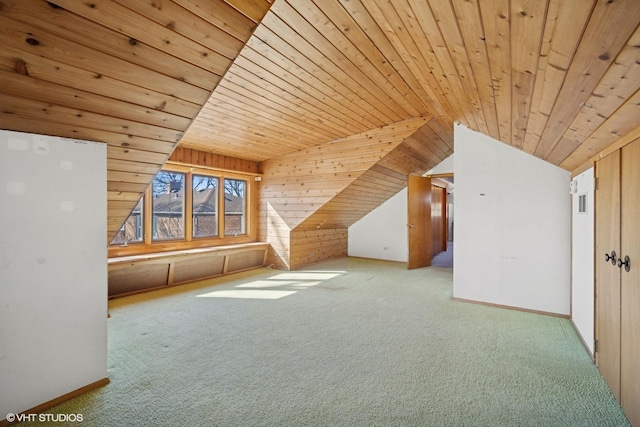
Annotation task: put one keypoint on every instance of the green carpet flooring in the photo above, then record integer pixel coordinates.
(349, 342)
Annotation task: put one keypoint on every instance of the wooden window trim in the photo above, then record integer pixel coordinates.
(148, 246)
(149, 217)
(191, 236)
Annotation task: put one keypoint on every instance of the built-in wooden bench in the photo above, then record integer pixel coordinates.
(136, 273)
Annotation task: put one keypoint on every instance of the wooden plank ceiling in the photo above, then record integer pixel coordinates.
(132, 74)
(556, 78)
(559, 79)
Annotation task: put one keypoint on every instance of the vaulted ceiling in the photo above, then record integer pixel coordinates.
(558, 79)
(246, 78)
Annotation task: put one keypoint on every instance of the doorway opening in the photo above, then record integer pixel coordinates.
(442, 220)
(430, 220)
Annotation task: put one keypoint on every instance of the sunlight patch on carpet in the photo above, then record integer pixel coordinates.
(268, 284)
(248, 293)
(307, 275)
(293, 281)
(296, 284)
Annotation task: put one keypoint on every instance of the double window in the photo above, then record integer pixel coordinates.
(186, 206)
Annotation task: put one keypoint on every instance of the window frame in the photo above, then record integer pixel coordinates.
(154, 219)
(139, 228)
(148, 245)
(244, 205)
(218, 234)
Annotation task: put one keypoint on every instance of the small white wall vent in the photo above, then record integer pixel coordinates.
(582, 203)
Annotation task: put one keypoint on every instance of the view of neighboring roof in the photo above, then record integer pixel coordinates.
(204, 201)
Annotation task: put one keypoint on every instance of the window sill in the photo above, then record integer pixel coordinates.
(168, 246)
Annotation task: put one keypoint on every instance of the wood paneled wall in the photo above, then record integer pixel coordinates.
(311, 246)
(274, 230)
(298, 184)
(419, 152)
(131, 74)
(305, 184)
(189, 156)
(334, 185)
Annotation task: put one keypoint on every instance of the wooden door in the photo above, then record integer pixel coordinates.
(607, 274)
(630, 282)
(438, 219)
(419, 221)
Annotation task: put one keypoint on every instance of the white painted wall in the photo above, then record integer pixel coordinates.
(53, 269)
(513, 226)
(582, 270)
(382, 233)
(445, 166)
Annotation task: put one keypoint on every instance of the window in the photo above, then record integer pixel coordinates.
(183, 208)
(132, 230)
(168, 206)
(204, 203)
(234, 207)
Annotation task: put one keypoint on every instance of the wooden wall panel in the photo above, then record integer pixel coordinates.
(299, 190)
(189, 156)
(311, 246)
(298, 184)
(274, 230)
(417, 154)
(137, 273)
(191, 270)
(245, 260)
(134, 278)
(332, 186)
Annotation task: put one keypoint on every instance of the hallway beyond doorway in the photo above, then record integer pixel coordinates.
(444, 259)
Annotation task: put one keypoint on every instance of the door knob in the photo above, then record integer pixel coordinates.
(626, 263)
(611, 257)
